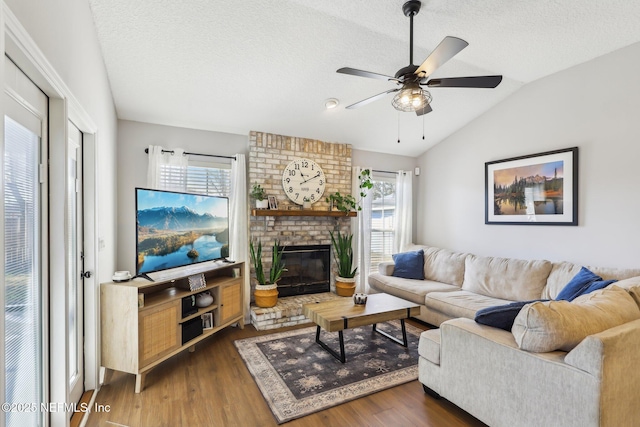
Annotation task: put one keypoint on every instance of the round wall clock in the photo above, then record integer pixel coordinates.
(303, 178)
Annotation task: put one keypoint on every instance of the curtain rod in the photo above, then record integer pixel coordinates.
(146, 150)
(379, 171)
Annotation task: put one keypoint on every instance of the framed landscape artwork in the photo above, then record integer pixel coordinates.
(538, 189)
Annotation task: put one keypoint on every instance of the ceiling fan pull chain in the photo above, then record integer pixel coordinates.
(423, 126)
(398, 127)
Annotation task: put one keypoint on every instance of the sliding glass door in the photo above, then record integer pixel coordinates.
(24, 268)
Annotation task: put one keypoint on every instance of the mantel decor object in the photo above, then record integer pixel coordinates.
(538, 189)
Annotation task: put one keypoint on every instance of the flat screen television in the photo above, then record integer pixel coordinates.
(178, 229)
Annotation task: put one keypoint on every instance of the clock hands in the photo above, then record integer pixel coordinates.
(313, 177)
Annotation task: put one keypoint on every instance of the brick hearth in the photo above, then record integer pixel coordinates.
(288, 311)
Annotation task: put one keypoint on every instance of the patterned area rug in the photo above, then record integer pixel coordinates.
(297, 377)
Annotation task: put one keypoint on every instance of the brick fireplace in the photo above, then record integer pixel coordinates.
(269, 154)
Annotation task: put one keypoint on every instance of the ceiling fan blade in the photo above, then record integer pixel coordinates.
(447, 49)
(427, 109)
(362, 73)
(476, 81)
(371, 99)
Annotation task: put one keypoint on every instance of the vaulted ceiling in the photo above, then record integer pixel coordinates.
(266, 65)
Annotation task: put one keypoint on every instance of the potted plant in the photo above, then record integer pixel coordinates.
(259, 193)
(343, 254)
(266, 291)
(347, 203)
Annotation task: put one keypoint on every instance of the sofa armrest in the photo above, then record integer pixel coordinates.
(386, 268)
(613, 349)
(612, 358)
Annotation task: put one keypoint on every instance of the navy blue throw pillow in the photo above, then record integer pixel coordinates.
(578, 285)
(598, 284)
(502, 316)
(409, 265)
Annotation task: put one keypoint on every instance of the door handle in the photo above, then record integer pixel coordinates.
(85, 274)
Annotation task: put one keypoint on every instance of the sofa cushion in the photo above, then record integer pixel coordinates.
(460, 303)
(578, 284)
(501, 316)
(634, 291)
(409, 289)
(563, 272)
(615, 273)
(386, 268)
(629, 283)
(409, 265)
(561, 325)
(506, 278)
(429, 345)
(443, 265)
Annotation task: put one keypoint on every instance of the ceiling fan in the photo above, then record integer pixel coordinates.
(411, 96)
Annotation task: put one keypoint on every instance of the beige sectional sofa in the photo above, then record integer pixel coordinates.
(484, 371)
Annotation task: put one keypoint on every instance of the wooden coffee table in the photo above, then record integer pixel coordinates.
(340, 314)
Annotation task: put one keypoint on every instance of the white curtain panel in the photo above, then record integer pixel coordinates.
(361, 229)
(238, 224)
(404, 207)
(167, 171)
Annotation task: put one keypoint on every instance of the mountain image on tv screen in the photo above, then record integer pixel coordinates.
(177, 229)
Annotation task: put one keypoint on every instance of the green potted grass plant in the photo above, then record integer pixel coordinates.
(266, 290)
(343, 255)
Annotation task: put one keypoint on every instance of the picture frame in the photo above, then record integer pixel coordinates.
(273, 203)
(537, 189)
(207, 321)
(197, 281)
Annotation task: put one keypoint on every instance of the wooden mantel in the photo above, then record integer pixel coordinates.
(301, 212)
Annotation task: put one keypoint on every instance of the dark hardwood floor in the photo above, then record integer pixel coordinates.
(212, 387)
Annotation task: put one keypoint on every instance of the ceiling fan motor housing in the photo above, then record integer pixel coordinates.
(407, 73)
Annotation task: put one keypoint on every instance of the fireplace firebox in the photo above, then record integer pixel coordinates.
(308, 270)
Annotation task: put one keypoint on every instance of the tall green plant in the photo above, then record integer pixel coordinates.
(343, 254)
(277, 265)
(256, 259)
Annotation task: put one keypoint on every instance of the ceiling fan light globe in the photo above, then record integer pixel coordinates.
(411, 99)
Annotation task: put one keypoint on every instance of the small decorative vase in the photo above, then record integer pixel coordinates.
(359, 299)
(262, 204)
(204, 299)
(266, 295)
(345, 286)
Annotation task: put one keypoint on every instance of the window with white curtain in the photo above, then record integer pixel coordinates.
(383, 207)
(201, 177)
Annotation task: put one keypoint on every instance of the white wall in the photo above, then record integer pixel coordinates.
(133, 138)
(64, 32)
(594, 106)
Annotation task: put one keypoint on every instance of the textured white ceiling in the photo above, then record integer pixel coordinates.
(268, 65)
